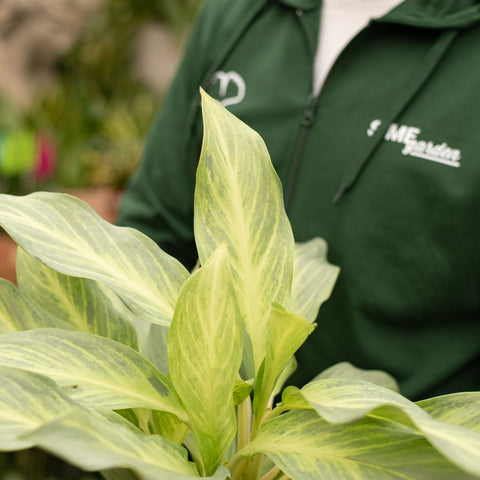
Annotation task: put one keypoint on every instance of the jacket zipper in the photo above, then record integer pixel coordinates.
(195, 106)
(308, 117)
(307, 120)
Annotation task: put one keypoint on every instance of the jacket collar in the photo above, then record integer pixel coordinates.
(302, 4)
(439, 14)
(419, 13)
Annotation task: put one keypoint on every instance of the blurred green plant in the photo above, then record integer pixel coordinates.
(97, 114)
(18, 151)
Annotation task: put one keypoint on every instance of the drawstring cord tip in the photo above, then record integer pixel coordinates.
(338, 195)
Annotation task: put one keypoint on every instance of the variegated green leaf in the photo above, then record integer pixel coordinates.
(168, 426)
(14, 313)
(155, 347)
(313, 278)
(238, 200)
(119, 474)
(286, 332)
(458, 408)
(347, 370)
(285, 375)
(17, 313)
(67, 235)
(34, 411)
(130, 414)
(80, 302)
(306, 447)
(94, 440)
(27, 401)
(93, 369)
(293, 399)
(341, 400)
(204, 351)
(241, 390)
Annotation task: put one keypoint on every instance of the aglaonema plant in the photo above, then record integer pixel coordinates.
(116, 358)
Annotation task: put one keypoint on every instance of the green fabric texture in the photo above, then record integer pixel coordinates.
(392, 138)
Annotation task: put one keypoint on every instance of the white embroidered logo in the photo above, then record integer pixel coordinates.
(428, 150)
(225, 79)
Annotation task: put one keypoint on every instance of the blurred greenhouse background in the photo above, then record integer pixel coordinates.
(80, 81)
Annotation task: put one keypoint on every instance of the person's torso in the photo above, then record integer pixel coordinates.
(395, 130)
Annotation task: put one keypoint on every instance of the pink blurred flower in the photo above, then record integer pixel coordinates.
(46, 161)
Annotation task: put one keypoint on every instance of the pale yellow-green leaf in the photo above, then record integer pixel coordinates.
(313, 278)
(155, 347)
(238, 200)
(80, 302)
(458, 408)
(285, 375)
(286, 332)
(306, 447)
(204, 351)
(131, 415)
(340, 400)
(293, 399)
(169, 426)
(14, 313)
(17, 313)
(119, 474)
(95, 440)
(347, 370)
(27, 400)
(67, 235)
(241, 390)
(92, 369)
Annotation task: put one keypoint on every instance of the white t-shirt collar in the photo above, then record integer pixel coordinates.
(340, 21)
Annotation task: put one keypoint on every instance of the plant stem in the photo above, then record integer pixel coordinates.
(247, 469)
(272, 474)
(244, 423)
(259, 419)
(253, 468)
(235, 465)
(274, 413)
(239, 472)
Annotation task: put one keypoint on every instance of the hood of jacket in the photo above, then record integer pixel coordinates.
(437, 14)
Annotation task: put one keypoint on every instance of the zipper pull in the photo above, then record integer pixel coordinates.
(306, 122)
(309, 112)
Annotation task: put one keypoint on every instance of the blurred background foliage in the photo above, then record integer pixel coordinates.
(87, 126)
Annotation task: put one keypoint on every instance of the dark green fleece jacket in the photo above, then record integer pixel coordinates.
(384, 164)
